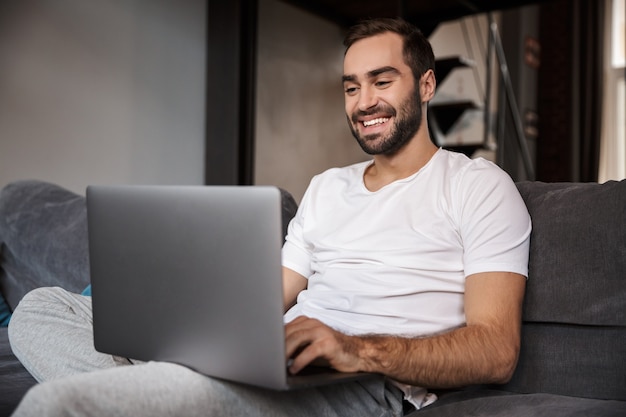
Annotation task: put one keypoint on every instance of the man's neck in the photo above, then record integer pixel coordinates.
(404, 163)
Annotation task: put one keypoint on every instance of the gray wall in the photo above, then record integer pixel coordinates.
(102, 91)
(113, 92)
(301, 127)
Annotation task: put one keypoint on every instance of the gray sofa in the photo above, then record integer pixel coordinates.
(573, 356)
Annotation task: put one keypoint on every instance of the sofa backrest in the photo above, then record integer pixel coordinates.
(574, 317)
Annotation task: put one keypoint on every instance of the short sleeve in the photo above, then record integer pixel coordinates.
(494, 222)
(296, 253)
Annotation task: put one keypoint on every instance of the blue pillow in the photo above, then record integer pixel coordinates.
(5, 313)
(87, 291)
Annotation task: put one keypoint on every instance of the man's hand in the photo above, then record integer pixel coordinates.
(483, 351)
(309, 341)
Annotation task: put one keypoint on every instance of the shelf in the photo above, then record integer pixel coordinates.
(444, 66)
(468, 150)
(447, 114)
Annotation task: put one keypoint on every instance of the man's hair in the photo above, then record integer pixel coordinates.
(417, 51)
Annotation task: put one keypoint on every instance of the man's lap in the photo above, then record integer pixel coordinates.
(52, 335)
(165, 389)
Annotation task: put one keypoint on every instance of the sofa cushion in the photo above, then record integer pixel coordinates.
(574, 330)
(577, 266)
(574, 360)
(14, 378)
(43, 239)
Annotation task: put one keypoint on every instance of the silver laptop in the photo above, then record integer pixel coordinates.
(192, 275)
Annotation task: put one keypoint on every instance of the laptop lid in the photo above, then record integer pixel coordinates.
(192, 275)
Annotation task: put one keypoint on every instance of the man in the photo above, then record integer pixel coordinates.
(412, 265)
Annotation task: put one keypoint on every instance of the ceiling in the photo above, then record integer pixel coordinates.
(426, 14)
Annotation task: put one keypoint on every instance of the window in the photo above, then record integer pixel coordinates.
(613, 145)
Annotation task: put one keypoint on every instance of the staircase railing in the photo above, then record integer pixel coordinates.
(495, 48)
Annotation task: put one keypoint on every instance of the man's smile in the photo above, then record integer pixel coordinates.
(377, 121)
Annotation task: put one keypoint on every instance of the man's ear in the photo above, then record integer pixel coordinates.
(428, 85)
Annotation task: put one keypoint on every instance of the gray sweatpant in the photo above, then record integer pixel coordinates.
(51, 333)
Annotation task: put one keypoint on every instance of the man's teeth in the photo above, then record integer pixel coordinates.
(373, 122)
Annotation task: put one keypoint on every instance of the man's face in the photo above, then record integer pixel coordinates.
(383, 104)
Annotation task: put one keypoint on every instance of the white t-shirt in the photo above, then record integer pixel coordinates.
(394, 261)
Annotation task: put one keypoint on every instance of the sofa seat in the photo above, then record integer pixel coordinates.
(14, 378)
(573, 353)
(498, 403)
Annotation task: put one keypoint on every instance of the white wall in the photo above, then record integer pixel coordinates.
(102, 91)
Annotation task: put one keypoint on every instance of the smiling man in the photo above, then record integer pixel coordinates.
(374, 98)
(412, 265)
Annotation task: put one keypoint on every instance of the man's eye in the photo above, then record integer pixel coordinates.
(350, 90)
(382, 83)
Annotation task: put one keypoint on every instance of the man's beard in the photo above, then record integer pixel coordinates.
(404, 128)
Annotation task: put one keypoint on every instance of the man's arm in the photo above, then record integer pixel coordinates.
(293, 283)
(485, 350)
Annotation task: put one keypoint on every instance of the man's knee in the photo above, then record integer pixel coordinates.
(38, 302)
(31, 311)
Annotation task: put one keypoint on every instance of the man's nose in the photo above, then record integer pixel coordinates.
(367, 98)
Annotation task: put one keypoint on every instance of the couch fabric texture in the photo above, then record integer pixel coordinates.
(573, 354)
(574, 333)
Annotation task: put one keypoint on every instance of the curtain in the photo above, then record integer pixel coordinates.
(589, 18)
(570, 90)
